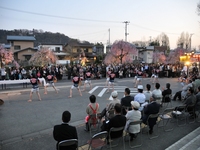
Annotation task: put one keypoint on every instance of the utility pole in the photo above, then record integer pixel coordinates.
(126, 23)
(191, 41)
(109, 36)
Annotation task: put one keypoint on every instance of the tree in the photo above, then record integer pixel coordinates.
(121, 52)
(43, 57)
(198, 8)
(174, 56)
(159, 57)
(184, 40)
(163, 40)
(6, 57)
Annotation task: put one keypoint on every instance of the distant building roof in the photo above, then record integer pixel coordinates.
(20, 38)
(29, 48)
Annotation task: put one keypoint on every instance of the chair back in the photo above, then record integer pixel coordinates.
(101, 135)
(167, 98)
(135, 122)
(67, 143)
(151, 116)
(168, 110)
(114, 129)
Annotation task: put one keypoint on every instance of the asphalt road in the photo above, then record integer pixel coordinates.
(28, 125)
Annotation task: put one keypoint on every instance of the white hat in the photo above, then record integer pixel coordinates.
(114, 94)
(135, 104)
(140, 87)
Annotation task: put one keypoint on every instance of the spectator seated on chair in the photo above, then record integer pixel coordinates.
(165, 92)
(157, 93)
(117, 121)
(133, 115)
(197, 106)
(140, 97)
(126, 101)
(189, 102)
(65, 131)
(152, 108)
(92, 108)
(148, 93)
(181, 94)
(108, 112)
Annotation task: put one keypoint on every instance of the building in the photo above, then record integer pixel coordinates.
(58, 51)
(80, 52)
(22, 47)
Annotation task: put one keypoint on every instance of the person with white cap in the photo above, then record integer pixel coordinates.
(133, 115)
(140, 97)
(110, 107)
(108, 112)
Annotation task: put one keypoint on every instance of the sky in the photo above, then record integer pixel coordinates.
(91, 20)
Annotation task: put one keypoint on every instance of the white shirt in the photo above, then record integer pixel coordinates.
(157, 93)
(140, 98)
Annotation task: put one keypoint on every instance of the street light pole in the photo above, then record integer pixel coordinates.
(191, 41)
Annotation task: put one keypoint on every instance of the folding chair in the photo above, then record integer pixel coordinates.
(166, 116)
(94, 122)
(98, 140)
(138, 122)
(111, 140)
(190, 110)
(66, 143)
(179, 115)
(167, 100)
(151, 117)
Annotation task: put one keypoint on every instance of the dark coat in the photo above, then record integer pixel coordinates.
(116, 121)
(65, 132)
(126, 102)
(152, 108)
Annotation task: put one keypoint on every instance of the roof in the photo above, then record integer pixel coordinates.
(29, 48)
(20, 38)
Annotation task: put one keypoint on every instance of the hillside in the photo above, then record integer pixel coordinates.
(40, 35)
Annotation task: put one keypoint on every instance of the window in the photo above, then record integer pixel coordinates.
(135, 57)
(27, 57)
(17, 47)
(86, 50)
(57, 49)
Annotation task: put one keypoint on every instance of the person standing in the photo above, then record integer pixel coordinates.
(111, 81)
(65, 131)
(50, 81)
(75, 81)
(88, 76)
(35, 88)
(3, 73)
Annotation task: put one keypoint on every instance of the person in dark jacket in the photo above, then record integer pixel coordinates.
(65, 131)
(126, 101)
(152, 108)
(165, 92)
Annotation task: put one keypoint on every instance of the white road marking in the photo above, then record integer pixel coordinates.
(102, 92)
(92, 90)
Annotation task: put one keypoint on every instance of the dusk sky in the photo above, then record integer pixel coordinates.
(90, 20)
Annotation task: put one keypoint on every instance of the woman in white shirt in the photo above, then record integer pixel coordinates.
(133, 115)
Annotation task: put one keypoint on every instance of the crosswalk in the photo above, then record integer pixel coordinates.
(119, 89)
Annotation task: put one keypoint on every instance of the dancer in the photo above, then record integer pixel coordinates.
(50, 81)
(138, 77)
(76, 81)
(35, 88)
(111, 81)
(107, 76)
(87, 79)
(154, 77)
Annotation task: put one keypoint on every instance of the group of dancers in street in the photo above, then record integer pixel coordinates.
(79, 77)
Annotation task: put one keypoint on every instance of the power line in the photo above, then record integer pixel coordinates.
(54, 16)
